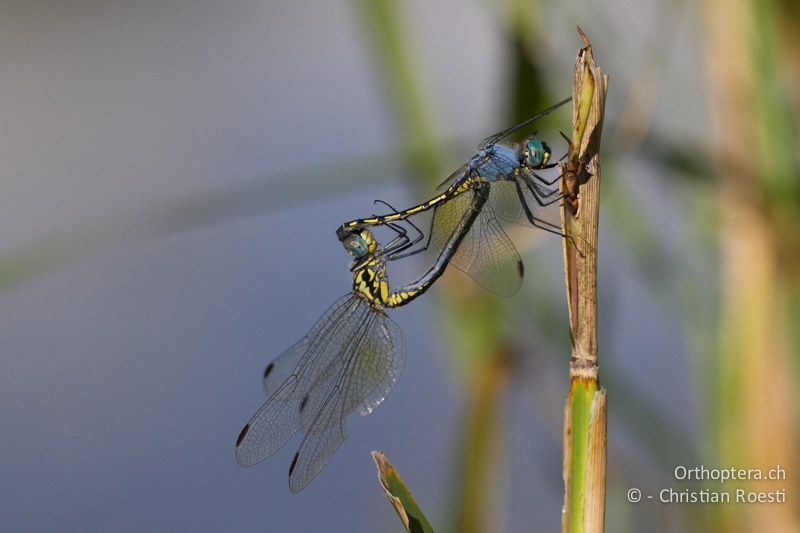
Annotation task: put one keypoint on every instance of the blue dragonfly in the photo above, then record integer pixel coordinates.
(518, 193)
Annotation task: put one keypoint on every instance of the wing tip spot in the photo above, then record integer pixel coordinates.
(303, 403)
(294, 462)
(521, 268)
(242, 434)
(268, 370)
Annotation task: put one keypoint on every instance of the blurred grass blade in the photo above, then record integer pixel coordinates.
(483, 426)
(195, 210)
(404, 87)
(756, 388)
(389, 37)
(32, 260)
(400, 497)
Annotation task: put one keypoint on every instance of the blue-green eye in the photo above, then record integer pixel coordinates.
(355, 245)
(538, 153)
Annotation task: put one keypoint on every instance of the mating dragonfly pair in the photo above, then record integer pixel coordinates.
(354, 354)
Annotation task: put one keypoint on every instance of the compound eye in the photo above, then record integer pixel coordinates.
(535, 153)
(355, 245)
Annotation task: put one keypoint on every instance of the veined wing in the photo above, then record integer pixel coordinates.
(543, 204)
(486, 253)
(456, 176)
(286, 364)
(279, 418)
(365, 374)
(492, 139)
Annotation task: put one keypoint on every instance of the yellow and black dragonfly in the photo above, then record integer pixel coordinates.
(351, 358)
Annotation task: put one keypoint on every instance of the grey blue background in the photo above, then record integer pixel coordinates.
(127, 372)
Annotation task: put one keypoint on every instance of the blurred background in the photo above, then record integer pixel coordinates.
(173, 174)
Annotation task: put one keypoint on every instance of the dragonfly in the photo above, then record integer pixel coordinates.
(518, 193)
(351, 358)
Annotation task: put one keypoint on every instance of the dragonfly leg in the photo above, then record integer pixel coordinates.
(402, 234)
(400, 242)
(397, 253)
(542, 198)
(543, 224)
(542, 179)
(535, 221)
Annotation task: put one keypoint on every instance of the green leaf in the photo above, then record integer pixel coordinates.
(400, 497)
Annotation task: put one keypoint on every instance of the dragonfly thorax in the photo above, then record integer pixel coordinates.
(369, 282)
(495, 162)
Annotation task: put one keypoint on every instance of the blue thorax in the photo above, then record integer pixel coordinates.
(495, 162)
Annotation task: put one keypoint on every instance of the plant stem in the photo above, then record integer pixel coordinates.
(585, 409)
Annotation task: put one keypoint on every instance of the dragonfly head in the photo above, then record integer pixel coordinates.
(360, 243)
(536, 153)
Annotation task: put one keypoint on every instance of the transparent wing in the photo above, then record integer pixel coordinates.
(283, 366)
(457, 175)
(381, 364)
(504, 200)
(364, 376)
(543, 205)
(486, 253)
(279, 370)
(492, 139)
(279, 418)
(318, 446)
